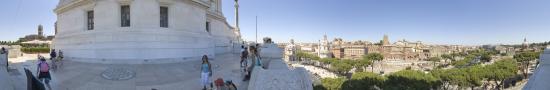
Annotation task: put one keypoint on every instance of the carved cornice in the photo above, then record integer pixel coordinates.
(62, 8)
(201, 3)
(165, 2)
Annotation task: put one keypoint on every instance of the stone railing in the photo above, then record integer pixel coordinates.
(5, 84)
(3, 60)
(539, 79)
(278, 75)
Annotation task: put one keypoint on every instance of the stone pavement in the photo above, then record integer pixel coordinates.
(175, 76)
(5, 84)
(74, 75)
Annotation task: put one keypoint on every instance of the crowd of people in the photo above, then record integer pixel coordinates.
(248, 54)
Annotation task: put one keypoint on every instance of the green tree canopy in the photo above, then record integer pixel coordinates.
(341, 67)
(486, 57)
(447, 56)
(374, 56)
(524, 58)
(333, 83)
(501, 70)
(364, 81)
(411, 80)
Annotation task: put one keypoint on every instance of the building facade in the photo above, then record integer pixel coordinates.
(290, 51)
(337, 52)
(354, 51)
(324, 48)
(142, 30)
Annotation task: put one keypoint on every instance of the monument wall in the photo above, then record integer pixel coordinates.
(144, 41)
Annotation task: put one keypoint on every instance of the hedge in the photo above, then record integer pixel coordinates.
(35, 49)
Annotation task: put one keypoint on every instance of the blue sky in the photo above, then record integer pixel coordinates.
(467, 22)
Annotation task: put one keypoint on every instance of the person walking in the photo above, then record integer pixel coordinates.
(253, 56)
(4, 51)
(53, 54)
(206, 72)
(258, 50)
(60, 56)
(244, 56)
(44, 72)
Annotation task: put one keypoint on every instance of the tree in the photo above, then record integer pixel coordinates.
(333, 83)
(434, 60)
(341, 67)
(447, 57)
(374, 57)
(525, 58)
(364, 62)
(461, 77)
(500, 71)
(364, 81)
(486, 57)
(474, 75)
(304, 55)
(411, 80)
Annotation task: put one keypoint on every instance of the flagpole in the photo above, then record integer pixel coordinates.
(256, 29)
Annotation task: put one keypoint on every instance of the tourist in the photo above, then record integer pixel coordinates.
(253, 56)
(44, 71)
(60, 55)
(242, 48)
(3, 50)
(206, 71)
(258, 50)
(53, 54)
(244, 56)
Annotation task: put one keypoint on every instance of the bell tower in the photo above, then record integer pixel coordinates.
(40, 31)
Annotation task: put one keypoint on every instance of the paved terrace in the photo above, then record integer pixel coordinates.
(75, 75)
(92, 76)
(6, 83)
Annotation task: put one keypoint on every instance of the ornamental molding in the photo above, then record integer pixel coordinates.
(65, 7)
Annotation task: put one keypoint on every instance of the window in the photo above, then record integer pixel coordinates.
(207, 26)
(164, 17)
(125, 16)
(90, 20)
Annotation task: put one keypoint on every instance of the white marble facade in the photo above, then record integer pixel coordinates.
(324, 48)
(185, 38)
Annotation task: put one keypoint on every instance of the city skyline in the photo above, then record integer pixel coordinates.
(466, 22)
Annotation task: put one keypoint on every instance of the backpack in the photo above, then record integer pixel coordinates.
(44, 67)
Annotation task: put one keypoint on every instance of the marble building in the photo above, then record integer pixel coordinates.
(139, 31)
(324, 48)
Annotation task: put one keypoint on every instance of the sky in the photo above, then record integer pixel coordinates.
(462, 22)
